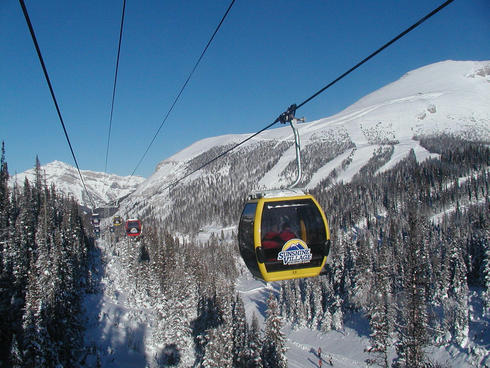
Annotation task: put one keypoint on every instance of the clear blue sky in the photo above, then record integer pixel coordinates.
(266, 56)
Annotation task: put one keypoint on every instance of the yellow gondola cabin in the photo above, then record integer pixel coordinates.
(283, 234)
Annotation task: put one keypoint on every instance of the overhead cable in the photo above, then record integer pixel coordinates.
(220, 155)
(294, 107)
(412, 27)
(115, 82)
(184, 85)
(34, 39)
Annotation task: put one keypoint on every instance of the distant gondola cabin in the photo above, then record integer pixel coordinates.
(283, 235)
(133, 227)
(95, 219)
(117, 221)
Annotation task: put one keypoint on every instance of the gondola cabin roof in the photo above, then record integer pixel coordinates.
(277, 193)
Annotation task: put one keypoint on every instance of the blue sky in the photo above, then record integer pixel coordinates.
(266, 56)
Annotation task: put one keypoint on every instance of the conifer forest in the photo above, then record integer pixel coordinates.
(410, 252)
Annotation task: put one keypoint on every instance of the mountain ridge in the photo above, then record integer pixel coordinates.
(104, 188)
(443, 98)
(449, 97)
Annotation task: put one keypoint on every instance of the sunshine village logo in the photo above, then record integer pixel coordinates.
(295, 251)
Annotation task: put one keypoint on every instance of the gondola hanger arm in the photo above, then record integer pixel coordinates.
(289, 117)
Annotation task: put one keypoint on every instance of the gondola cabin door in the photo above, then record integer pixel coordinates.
(283, 235)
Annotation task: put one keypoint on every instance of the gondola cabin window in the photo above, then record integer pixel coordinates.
(246, 238)
(284, 221)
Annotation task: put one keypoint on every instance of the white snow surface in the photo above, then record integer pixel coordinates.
(447, 97)
(103, 188)
(120, 326)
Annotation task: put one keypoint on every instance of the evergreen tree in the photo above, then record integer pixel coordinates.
(413, 319)
(253, 356)
(337, 314)
(4, 199)
(240, 333)
(274, 348)
(217, 352)
(486, 276)
(456, 307)
(6, 276)
(380, 314)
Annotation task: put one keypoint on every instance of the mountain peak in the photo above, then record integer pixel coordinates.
(450, 97)
(104, 188)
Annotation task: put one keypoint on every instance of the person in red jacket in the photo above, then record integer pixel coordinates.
(275, 239)
(272, 239)
(286, 232)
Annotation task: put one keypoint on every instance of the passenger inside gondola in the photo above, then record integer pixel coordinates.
(274, 240)
(286, 232)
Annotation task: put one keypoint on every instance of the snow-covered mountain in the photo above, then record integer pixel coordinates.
(450, 97)
(103, 188)
(447, 97)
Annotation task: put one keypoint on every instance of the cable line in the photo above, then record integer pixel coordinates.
(412, 27)
(185, 85)
(220, 155)
(115, 82)
(34, 39)
(290, 112)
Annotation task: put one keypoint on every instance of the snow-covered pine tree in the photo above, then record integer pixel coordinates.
(4, 200)
(23, 245)
(240, 333)
(218, 351)
(316, 303)
(412, 332)
(307, 298)
(456, 307)
(380, 313)
(215, 350)
(253, 356)
(325, 323)
(274, 348)
(35, 338)
(486, 274)
(6, 337)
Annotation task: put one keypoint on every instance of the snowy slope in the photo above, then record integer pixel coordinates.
(120, 325)
(447, 97)
(103, 188)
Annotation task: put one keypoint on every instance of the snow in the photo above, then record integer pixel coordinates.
(446, 97)
(324, 171)
(120, 326)
(116, 328)
(360, 158)
(449, 96)
(402, 150)
(104, 188)
(272, 179)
